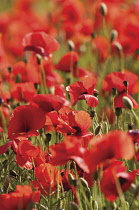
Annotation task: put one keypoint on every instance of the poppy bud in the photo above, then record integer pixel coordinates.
(97, 130)
(74, 206)
(103, 9)
(126, 83)
(113, 35)
(135, 190)
(9, 69)
(118, 46)
(71, 45)
(92, 113)
(127, 102)
(114, 91)
(83, 182)
(72, 180)
(118, 111)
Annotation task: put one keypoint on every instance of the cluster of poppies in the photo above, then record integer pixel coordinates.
(48, 103)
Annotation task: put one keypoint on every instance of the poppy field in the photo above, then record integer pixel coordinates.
(69, 105)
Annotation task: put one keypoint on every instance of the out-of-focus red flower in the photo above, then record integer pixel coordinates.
(48, 177)
(100, 46)
(126, 83)
(115, 144)
(22, 198)
(113, 174)
(25, 120)
(68, 63)
(23, 91)
(40, 43)
(27, 72)
(72, 11)
(52, 77)
(83, 90)
(28, 156)
(48, 102)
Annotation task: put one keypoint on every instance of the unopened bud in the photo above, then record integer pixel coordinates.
(97, 130)
(103, 9)
(126, 83)
(127, 102)
(114, 91)
(113, 35)
(118, 46)
(83, 182)
(72, 180)
(118, 111)
(71, 45)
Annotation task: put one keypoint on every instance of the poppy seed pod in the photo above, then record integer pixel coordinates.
(127, 102)
(103, 9)
(113, 35)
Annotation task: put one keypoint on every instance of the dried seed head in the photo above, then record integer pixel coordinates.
(103, 9)
(113, 35)
(127, 102)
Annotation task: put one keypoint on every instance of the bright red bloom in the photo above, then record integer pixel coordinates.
(74, 122)
(126, 83)
(23, 91)
(48, 177)
(70, 148)
(68, 62)
(113, 174)
(115, 144)
(29, 155)
(40, 43)
(22, 198)
(48, 102)
(25, 120)
(83, 90)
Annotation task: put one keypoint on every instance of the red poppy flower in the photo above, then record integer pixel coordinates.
(40, 43)
(28, 72)
(29, 155)
(23, 91)
(100, 46)
(68, 62)
(74, 122)
(126, 83)
(48, 177)
(48, 102)
(83, 90)
(72, 11)
(69, 149)
(25, 120)
(113, 174)
(22, 198)
(115, 144)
